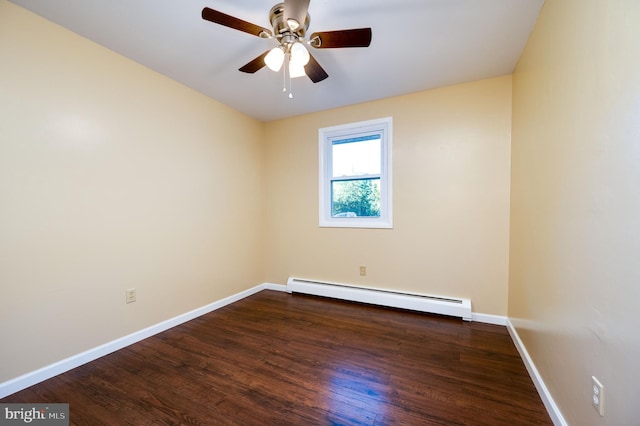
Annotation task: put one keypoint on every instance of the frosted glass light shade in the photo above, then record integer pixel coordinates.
(296, 69)
(274, 59)
(299, 54)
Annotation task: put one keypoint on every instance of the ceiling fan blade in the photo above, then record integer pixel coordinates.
(314, 71)
(297, 11)
(358, 37)
(255, 65)
(235, 23)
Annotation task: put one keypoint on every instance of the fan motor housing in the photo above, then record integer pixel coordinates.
(280, 27)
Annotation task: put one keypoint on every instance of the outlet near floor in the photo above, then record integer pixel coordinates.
(598, 395)
(130, 295)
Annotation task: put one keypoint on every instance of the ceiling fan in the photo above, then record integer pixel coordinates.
(290, 22)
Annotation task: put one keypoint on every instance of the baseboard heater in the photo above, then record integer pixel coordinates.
(395, 299)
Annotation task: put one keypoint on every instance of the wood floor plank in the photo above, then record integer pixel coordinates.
(280, 359)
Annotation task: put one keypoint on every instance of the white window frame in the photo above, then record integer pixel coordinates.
(326, 135)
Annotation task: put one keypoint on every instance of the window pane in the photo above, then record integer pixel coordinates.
(355, 175)
(356, 156)
(355, 198)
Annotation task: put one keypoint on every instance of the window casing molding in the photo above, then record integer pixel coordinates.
(363, 129)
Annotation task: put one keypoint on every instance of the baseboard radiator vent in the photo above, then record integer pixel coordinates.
(416, 302)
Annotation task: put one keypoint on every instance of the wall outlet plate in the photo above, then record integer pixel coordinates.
(130, 295)
(597, 395)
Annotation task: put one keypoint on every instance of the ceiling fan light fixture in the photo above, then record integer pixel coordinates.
(275, 59)
(296, 69)
(299, 54)
(290, 21)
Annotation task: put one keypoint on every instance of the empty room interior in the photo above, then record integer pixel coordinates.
(514, 188)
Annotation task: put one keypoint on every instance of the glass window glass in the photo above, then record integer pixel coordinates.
(356, 157)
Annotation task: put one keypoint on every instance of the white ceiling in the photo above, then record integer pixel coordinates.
(416, 45)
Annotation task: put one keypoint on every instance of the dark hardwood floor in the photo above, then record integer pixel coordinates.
(278, 359)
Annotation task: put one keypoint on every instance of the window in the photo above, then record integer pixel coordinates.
(355, 175)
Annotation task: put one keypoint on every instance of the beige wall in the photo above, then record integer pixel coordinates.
(451, 155)
(112, 176)
(575, 223)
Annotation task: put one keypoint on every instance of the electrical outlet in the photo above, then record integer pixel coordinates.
(130, 295)
(363, 270)
(598, 395)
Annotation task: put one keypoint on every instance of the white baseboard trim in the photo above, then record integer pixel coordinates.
(272, 286)
(543, 391)
(29, 379)
(489, 319)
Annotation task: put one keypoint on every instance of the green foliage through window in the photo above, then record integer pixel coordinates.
(356, 198)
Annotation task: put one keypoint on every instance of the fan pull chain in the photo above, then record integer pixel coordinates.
(290, 87)
(284, 79)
